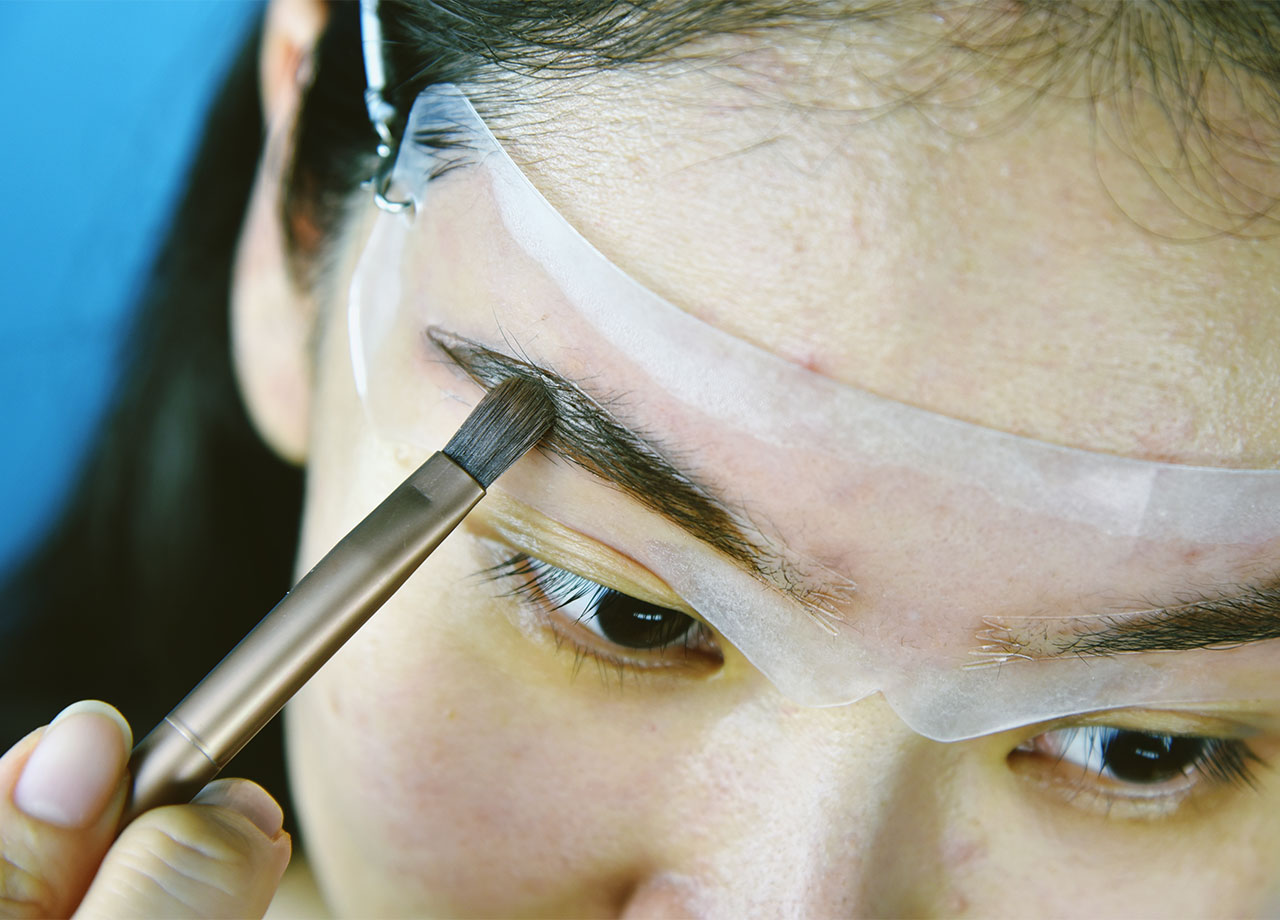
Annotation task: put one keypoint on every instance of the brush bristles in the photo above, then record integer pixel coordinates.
(511, 418)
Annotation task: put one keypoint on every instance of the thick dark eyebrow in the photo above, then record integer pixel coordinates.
(1220, 619)
(587, 434)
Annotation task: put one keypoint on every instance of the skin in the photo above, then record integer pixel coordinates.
(451, 761)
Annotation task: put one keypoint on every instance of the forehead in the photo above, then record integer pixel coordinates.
(1012, 271)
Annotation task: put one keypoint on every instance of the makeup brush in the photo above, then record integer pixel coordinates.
(241, 695)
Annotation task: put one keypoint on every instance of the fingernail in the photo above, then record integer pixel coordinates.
(74, 770)
(247, 798)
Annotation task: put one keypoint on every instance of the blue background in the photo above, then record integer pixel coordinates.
(102, 104)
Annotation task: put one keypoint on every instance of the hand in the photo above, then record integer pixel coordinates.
(62, 789)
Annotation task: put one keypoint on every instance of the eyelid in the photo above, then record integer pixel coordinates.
(1236, 725)
(503, 518)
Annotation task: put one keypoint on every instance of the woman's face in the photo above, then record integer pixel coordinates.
(468, 753)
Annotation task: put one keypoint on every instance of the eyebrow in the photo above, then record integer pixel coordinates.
(1223, 619)
(587, 434)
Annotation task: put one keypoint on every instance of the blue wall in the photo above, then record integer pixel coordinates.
(101, 104)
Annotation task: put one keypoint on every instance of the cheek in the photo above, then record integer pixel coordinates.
(440, 752)
(1216, 856)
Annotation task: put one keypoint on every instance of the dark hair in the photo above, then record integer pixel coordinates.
(181, 532)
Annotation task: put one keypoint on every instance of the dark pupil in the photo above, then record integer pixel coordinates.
(1137, 757)
(637, 624)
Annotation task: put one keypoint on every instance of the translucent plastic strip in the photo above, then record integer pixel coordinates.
(943, 564)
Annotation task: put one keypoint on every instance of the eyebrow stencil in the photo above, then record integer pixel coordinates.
(758, 491)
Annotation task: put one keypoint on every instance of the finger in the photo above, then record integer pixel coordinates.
(62, 789)
(221, 856)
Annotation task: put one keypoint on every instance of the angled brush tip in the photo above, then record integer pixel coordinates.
(512, 417)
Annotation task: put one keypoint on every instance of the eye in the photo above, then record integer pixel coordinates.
(629, 622)
(1120, 761)
(1134, 757)
(606, 622)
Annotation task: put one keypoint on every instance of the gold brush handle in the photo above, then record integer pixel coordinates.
(241, 695)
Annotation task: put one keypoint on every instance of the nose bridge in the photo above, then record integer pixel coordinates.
(921, 838)
(782, 812)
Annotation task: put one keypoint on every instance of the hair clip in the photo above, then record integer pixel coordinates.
(381, 112)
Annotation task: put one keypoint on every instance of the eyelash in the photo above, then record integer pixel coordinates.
(554, 593)
(1114, 760)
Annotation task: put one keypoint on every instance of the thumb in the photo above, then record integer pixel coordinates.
(221, 856)
(61, 792)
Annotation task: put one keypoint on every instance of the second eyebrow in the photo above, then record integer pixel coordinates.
(1222, 620)
(1250, 615)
